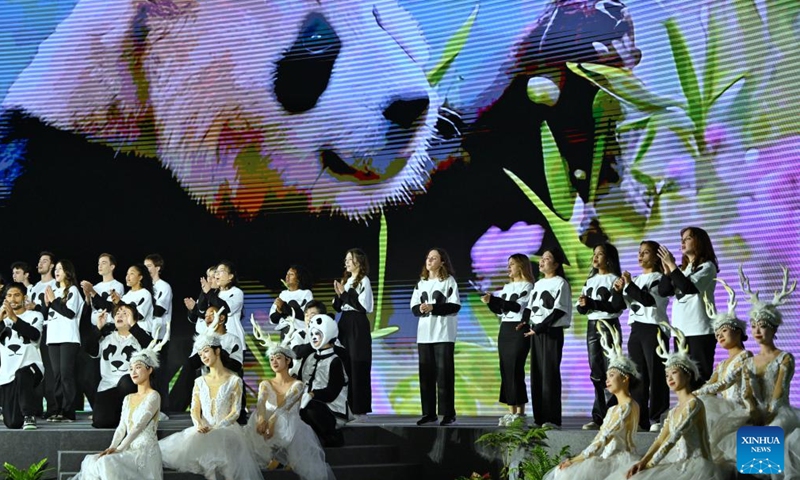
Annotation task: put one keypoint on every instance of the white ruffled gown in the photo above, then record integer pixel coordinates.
(683, 451)
(293, 443)
(611, 450)
(771, 387)
(223, 451)
(728, 400)
(138, 456)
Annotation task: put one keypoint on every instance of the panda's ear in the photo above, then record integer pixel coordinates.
(403, 28)
(88, 77)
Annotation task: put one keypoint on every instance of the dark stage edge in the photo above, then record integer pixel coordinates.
(383, 447)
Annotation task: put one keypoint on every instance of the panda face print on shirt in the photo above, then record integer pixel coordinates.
(436, 298)
(268, 74)
(543, 303)
(118, 359)
(681, 297)
(514, 297)
(16, 343)
(602, 293)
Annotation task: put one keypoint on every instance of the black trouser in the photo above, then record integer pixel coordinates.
(652, 392)
(19, 396)
(47, 388)
(320, 418)
(354, 333)
(546, 351)
(513, 348)
(598, 365)
(108, 403)
(701, 350)
(161, 381)
(88, 378)
(437, 377)
(181, 395)
(62, 357)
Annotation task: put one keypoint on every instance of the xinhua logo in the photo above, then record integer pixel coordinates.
(759, 450)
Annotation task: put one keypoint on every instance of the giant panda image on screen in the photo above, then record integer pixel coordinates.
(251, 105)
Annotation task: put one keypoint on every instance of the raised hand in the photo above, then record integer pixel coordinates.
(486, 298)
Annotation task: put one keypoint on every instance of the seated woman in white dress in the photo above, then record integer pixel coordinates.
(612, 448)
(681, 450)
(134, 453)
(215, 443)
(727, 396)
(276, 432)
(770, 372)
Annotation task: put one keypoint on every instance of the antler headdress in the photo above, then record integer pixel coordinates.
(679, 358)
(273, 348)
(727, 319)
(149, 355)
(209, 337)
(616, 359)
(767, 312)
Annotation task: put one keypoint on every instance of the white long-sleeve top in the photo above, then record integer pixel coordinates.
(63, 316)
(440, 324)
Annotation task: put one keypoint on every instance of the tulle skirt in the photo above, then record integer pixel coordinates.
(594, 468)
(125, 465)
(694, 468)
(724, 418)
(222, 451)
(294, 444)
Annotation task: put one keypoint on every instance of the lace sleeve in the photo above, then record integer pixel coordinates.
(614, 422)
(676, 431)
(151, 406)
(292, 397)
(716, 384)
(782, 382)
(122, 428)
(197, 405)
(236, 400)
(261, 406)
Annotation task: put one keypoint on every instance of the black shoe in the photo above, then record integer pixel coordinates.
(427, 419)
(448, 421)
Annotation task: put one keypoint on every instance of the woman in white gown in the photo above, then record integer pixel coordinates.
(727, 396)
(134, 453)
(612, 448)
(681, 450)
(770, 372)
(276, 433)
(215, 444)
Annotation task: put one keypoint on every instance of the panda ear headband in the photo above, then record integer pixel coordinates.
(273, 348)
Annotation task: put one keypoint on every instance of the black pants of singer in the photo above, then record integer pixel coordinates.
(598, 365)
(108, 403)
(546, 352)
(652, 392)
(161, 377)
(87, 371)
(45, 391)
(701, 350)
(19, 397)
(355, 335)
(437, 378)
(320, 418)
(513, 348)
(62, 358)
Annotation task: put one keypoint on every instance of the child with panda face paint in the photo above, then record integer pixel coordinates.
(647, 308)
(435, 302)
(324, 405)
(548, 313)
(21, 368)
(115, 344)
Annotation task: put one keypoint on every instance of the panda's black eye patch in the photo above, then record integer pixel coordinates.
(303, 73)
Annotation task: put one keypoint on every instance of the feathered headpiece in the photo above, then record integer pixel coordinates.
(273, 348)
(209, 337)
(616, 359)
(679, 358)
(767, 312)
(149, 355)
(727, 319)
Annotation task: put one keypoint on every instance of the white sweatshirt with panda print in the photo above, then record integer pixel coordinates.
(550, 294)
(356, 298)
(162, 306)
(645, 304)
(441, 323)
(598, 289)
(144, 305)
(292, 312)
(104, 290)
(115, 356)
(19, 344)
(509, 304)
(64, 315)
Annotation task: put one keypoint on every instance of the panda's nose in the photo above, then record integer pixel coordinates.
(117, 364)
(14, 348)
(405, 111)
